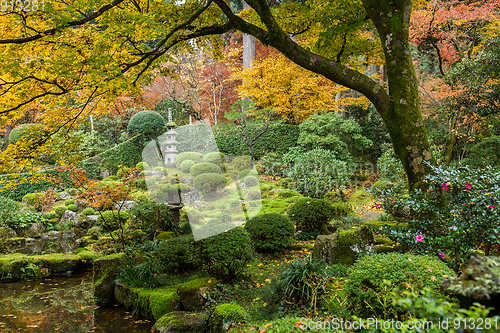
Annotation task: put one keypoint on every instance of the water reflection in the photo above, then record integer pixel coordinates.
(61, 304)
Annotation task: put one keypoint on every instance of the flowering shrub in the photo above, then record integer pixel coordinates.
(457, 213)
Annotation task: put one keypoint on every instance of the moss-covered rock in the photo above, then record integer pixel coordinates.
(150, 303)
(104, 278)
(343, 246)
(224, 316)
(58, 263)
(479, 282)
(166, 235)
(6, 232)
(181, 321)
(191, 294)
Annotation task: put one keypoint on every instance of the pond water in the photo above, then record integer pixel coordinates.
(62, 304)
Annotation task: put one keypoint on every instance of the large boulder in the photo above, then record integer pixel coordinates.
(343, 246)
(35, 230)
(181, 321)
(70, 218)
(479, 282)
(63, 196)
(191, 294)
(6, 232)
(104, 278)
(125, 205)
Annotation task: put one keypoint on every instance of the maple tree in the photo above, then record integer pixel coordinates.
(81, 53)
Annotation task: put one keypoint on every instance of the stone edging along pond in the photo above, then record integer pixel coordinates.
(175, 309)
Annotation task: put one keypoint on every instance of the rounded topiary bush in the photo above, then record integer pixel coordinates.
(201, 168)
(175, 254)
(341, 209)
(333, 197)
(149, 123)
(365, 284)
(72, 207)
(186, 165)
(193, 156)
(111, 219)
(34, 200)
(214, 158)
(248, 172)
(59, 211)
(226, 315)
(310, 214)
(69, 202)
(88, 211)
(225, 256)
(270, 232)
(251, 181)
(240, 163)
(209, 182)
(142, 165)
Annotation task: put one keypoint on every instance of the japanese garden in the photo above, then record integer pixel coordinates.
(249, 166)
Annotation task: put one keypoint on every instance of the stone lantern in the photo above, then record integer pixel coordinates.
(170, 145)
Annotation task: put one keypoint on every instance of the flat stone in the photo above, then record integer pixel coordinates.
(125, 205)
(70, 217)
(63, 196)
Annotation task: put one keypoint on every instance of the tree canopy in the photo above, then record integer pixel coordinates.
(72, 57)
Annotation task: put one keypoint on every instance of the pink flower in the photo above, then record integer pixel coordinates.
(441, 255)
(468, 185)
(407, 234)
(419, 238)
(465, 204)
(444, 186)
(492, 206)
(378, 206)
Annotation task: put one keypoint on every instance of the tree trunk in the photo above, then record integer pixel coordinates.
(248, 46)
(399, 107)
(403, 118)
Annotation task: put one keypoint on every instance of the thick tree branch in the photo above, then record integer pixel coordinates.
(52, 31)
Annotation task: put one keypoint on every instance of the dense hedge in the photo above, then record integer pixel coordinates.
(127, 153)
(17, 185)
(278, 138)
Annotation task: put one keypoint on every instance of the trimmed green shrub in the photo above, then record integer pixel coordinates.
(214, 158)
(241, 163)
(193, 156)
(341, 209)
(111, 178)
(142, 165)
(248, 172)
(209, 182)
(149, 123)
(88, 211)
(122, 172)
(253, 194)
(310, 214)
(251, 181)
(69, 202)
(34, 200)
(365, 286)
(201, 168)
(278, 138)
(270, 232)
(333, 197)
(225, 256)
(186, 165)
(59, 211)
(127, 153)
(140, 183)
(283, 194)
(186, 228)
(226, 314)
(175, 255)
(72, 208)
